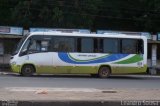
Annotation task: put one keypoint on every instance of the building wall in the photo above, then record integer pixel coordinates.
(7, 46)
(158, 55)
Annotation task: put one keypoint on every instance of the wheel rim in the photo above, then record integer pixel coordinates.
(28, 70)
(104, 72)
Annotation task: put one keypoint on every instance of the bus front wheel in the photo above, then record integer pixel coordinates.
(104, 72)
(27, 70)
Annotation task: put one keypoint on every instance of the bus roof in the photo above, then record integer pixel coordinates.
(107, 35)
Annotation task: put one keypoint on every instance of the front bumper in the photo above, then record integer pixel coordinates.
(15, 68)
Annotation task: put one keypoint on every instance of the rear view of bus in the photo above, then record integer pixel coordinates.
(71, 53)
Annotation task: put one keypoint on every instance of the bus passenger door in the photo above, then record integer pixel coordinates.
(39, 54)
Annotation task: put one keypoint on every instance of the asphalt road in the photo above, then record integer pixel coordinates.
(71, 81)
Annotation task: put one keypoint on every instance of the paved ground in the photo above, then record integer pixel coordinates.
(143, 88)
(76, 94)
(71, 81)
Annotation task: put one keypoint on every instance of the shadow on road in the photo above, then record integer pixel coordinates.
(120, 77)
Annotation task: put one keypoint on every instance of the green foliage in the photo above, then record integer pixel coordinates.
(132, 15)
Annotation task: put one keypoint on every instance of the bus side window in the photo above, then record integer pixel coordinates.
(129, 46)
(44, 46)
(63, 44)
(109, 45)
(38, 46)
(34, 46)
(87, 45)
(24, 50)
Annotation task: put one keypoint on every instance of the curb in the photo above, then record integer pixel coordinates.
(82, 103)
(4, 73)
(60, 103)
(8, 73)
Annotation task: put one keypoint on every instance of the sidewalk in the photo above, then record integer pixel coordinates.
(115, 97)
(25, 93)
(7, 73)
(34, 96)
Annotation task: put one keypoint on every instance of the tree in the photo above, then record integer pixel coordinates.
(131, 15)
(21, 15)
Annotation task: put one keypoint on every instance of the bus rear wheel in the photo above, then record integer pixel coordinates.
(104, 72)
(27, 70)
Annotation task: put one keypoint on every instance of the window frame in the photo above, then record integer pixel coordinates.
(95, 46)
(84, 46)
(41, 38)
(137, 46)
(77, 40)
(102, 45)
(55, 36)
(36, 38)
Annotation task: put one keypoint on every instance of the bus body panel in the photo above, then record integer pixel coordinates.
(81, 63)
(42, 61)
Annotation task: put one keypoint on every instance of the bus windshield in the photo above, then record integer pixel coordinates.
(18, 46)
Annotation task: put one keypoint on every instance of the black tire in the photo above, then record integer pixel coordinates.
(27, 70)
(104, 72)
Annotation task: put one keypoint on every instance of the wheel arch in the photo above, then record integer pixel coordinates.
(28, 64)
(105, 66)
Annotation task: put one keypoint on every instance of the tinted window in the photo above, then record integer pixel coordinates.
(44, 46)
(87, 45)
(129, 46)
(25, 47)
(63, 44)
(39, 46)
(18, 46)
(39, 43)
(110, 46)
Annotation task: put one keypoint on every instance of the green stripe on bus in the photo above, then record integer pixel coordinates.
(133, 59)
(77, 60)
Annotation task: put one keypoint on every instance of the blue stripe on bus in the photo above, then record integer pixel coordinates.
(65, 57)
